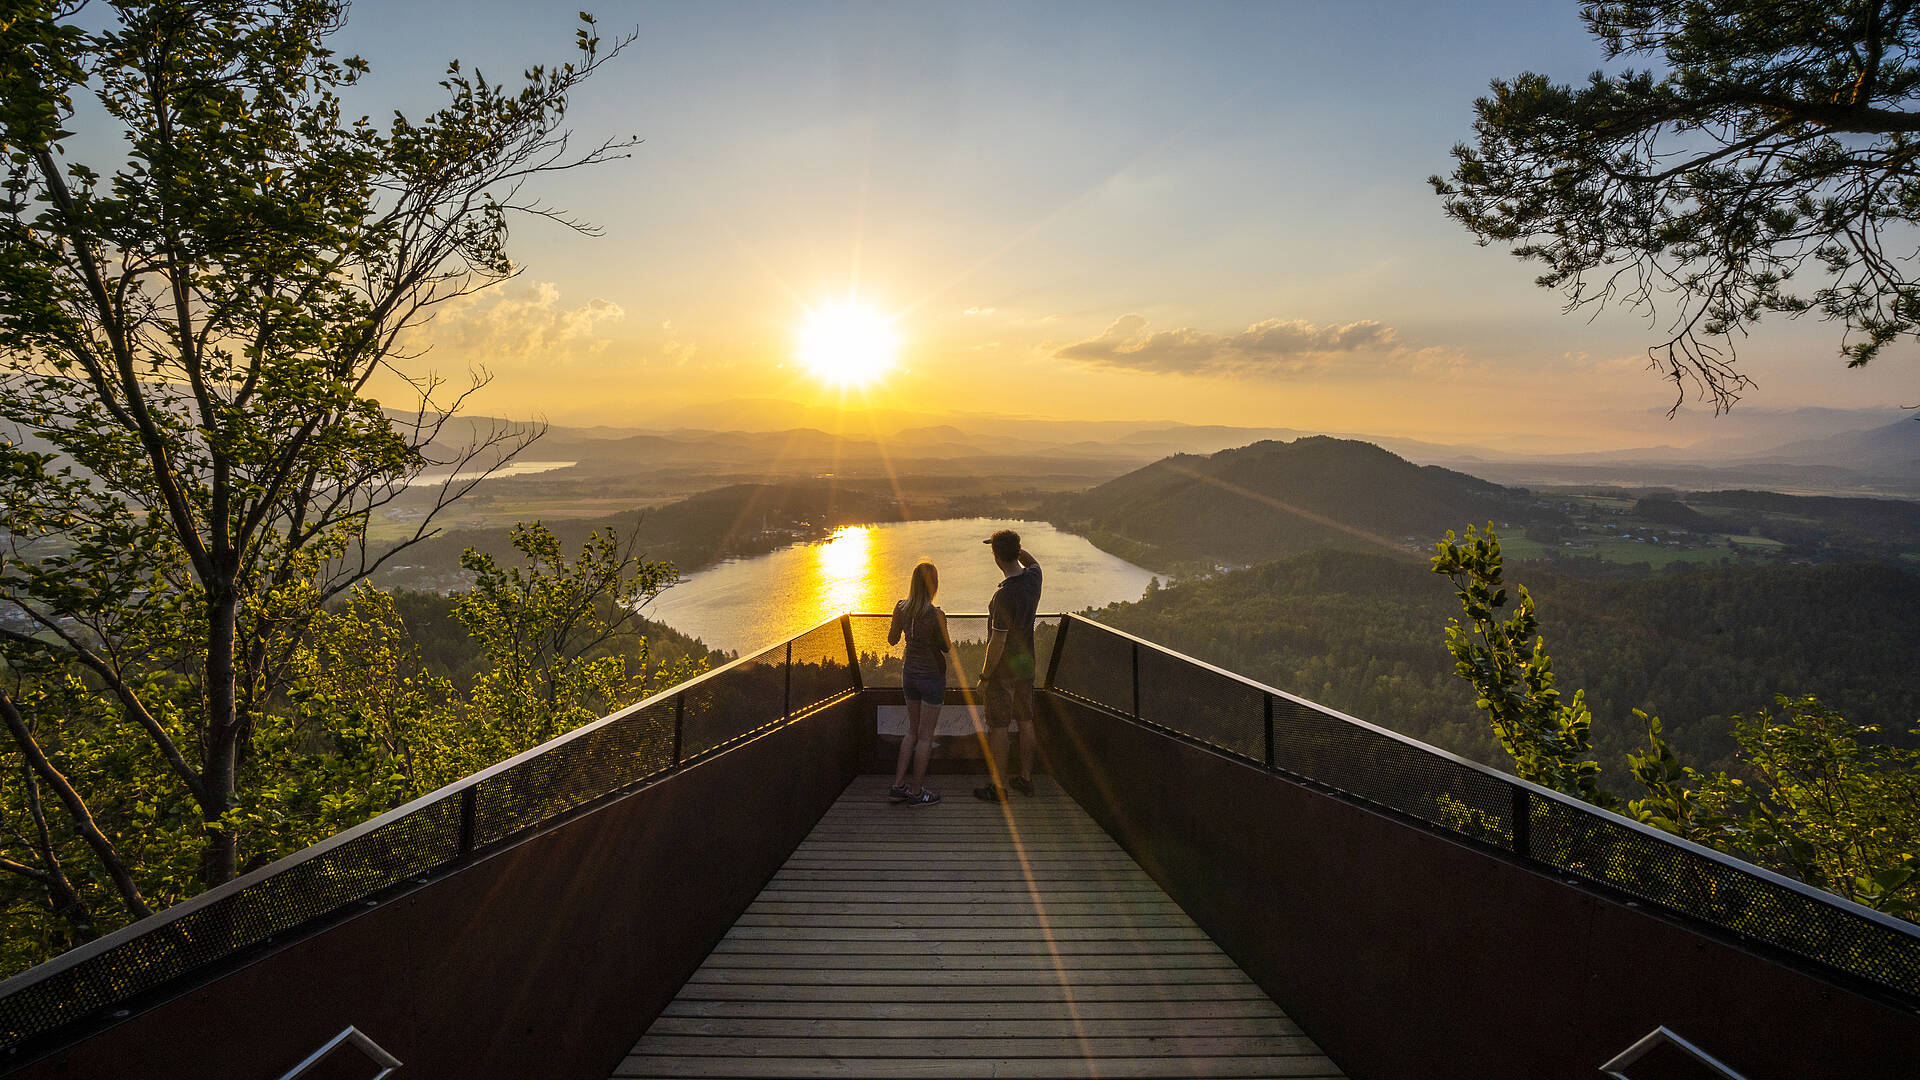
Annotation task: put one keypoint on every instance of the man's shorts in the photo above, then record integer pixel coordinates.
(1009, 702)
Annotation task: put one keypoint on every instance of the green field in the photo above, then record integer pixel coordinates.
(1518, 546)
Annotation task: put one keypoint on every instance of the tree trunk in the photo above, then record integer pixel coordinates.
(223, 736)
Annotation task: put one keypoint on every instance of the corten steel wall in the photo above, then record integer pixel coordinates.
(547, 959)
(1408, 954)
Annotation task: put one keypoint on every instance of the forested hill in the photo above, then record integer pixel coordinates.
(1271, 499)
(1363, 634)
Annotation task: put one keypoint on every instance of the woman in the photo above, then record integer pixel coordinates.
(924, 627)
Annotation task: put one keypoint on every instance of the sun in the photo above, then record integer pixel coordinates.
(849, 344)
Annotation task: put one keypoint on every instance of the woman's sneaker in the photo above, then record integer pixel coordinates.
(926, 796)
(1022, 785)
(898, 793)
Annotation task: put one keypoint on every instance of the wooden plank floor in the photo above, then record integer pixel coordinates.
(942, 941)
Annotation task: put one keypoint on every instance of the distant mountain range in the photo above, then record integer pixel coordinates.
(1883, 460)
(1273, 499)
(1806, 451)
(1874, 452)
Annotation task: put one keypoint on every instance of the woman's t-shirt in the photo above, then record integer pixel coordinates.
(925, 648)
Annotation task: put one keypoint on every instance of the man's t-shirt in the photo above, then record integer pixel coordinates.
(1011, 612)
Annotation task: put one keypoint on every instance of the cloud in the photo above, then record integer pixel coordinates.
(978, 311)
(524, 326)
(679, 353)
(1272, 347)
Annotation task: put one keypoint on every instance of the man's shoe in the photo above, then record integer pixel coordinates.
(1021, 784)
(990, 793)
(897, 793)
(926, 796)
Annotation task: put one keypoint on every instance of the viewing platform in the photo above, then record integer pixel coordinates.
(968, 939)
(1215, 878)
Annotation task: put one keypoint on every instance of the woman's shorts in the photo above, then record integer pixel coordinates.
(928, 688)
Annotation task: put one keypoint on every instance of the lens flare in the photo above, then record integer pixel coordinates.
(847, 344)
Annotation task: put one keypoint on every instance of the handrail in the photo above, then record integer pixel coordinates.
(1534, 789)
(1651, 1041)
(463, 789)
(1524, 791)
(955, 615)
(198, 901)
(358, 1040)
(1528, 798)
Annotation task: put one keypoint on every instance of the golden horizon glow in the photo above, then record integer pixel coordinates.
(847, 344)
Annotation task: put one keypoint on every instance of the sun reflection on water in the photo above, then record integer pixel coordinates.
(844, 570)
(749, 603)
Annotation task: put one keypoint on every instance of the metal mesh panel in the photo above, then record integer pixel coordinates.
(879, 661)
(411, 845)
(820, 668)
(734, 702)
(593, 763)
(1182, 696)
(1045, 629)
(969, 634)
(1575, 840)
(1097, 664)
(1334, 751)
(711, 714)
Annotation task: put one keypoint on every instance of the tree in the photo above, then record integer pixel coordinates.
(1506, 662)
(547, 629)
(1766, 164)
(189, 334)
(370, 727)
(1819, 805)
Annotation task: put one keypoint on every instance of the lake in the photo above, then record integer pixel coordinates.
(511, 468)
(746, 604)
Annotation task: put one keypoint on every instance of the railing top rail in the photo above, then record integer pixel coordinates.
(952, 615)
(82, 953)
(95, 949)
(1821, 895)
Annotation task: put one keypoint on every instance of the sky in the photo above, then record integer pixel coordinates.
(1208, 213)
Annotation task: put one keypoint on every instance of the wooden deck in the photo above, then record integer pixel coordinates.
(944, 941)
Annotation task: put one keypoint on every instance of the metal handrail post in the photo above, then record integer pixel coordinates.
(469, 800)
(1059, 643)
(1136, 679)
(853, 657)
(679, 726)
(1266, 709)
(786, 693)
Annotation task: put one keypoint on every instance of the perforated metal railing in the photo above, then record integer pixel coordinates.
(701, 717)
(880, 663)
(1277, 731)
(1079, 659)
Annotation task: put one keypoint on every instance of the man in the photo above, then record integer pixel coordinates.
(1007, 681)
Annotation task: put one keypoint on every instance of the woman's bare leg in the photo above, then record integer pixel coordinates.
(906, 747)
(929, 721)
